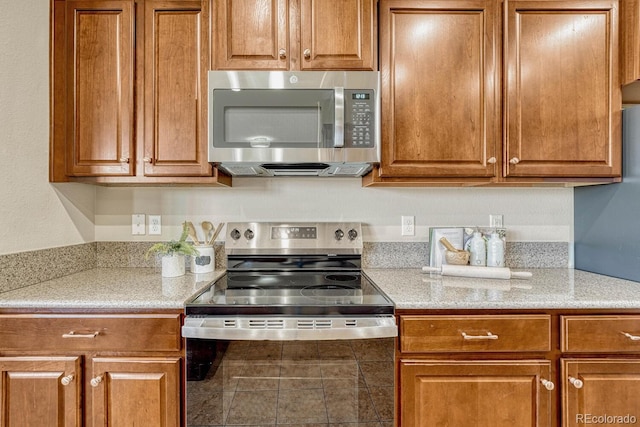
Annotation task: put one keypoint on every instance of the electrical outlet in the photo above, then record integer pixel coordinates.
(137, 224)
(495, 221)
(155, 224)
(408, 225)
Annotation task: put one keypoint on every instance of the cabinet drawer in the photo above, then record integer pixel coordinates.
(430, 334)
(154, 332)
(591, 334)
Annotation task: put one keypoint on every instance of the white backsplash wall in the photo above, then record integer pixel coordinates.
(530, 214)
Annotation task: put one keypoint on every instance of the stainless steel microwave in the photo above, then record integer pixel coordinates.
(287, 123)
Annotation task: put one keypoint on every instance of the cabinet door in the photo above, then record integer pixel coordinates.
(132, 391)
(630, 40)
(40, 392)
(563, 97)
(99, 87)
(337, 34)
(440, 85)
(175, 89)
(600, 391)
(251, 34)
(475, 393)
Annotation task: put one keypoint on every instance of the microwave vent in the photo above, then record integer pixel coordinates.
(352, 170)
(244, 170)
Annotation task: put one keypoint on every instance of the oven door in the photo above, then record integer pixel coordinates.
(290, 382)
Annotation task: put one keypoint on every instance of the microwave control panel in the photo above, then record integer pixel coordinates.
(359, 118)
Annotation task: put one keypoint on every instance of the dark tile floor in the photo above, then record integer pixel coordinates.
(297, 383)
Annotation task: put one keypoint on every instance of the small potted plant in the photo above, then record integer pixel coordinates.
(173, 253)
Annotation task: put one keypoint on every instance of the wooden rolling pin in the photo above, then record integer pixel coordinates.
(480, 272)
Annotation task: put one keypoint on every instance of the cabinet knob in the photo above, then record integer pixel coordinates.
(577, 383)
(95, 382)
(307, 53)
(282, 53)
(124, 160)
(514, 161)
(549, 385)
(491, 160)
(66, 380)
(147, 160)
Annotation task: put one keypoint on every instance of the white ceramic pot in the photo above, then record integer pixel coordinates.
(173, 265)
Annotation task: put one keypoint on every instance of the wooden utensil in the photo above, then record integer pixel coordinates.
(191, 232)
(215, 233)
(207, 227)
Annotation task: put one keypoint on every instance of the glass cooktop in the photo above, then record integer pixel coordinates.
(291, 293)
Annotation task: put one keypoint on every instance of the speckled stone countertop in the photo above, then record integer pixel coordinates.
(144, 288)
(110, 288)
(553, 288)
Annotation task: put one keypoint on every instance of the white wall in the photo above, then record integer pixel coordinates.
(543, 214)
(35, 214)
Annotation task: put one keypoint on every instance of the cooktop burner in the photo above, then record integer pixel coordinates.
(342, 277)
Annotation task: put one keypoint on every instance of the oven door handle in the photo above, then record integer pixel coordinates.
(240, 328)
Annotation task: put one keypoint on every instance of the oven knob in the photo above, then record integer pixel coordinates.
(248, 234)
(235, 234)
(339, 234)
(353, 234)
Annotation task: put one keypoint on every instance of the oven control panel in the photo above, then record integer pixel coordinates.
(287, 236)
(290, 232)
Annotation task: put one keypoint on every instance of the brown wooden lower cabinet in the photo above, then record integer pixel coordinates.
(475, 393)
(94, 370)
(493, 368)
(142, 391)
(600, 391)
(40, 391)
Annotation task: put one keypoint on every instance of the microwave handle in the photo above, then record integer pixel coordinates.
(338, 136)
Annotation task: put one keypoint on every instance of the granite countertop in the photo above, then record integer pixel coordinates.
(144, 288)
(111, 288)
(553, 288)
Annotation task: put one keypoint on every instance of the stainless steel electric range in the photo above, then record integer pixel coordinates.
(294, 313)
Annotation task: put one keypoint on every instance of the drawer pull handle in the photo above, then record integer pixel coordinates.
(631, 337)
(577, 383)
(95, 382)
(549, 385)
(489, 336)
(66, 380)
(73, 334)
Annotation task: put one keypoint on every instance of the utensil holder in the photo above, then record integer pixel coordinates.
(204, 262)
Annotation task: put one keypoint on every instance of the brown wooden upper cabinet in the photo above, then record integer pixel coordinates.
(469, 98)
(175, 71)
(630, 40)
(294, 34)
(129, 92)
(93, 87)
(563, 96)
(439, 66)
